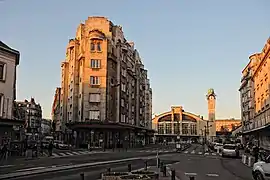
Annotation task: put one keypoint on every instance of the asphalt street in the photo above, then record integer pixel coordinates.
(23, 165)
(209, 167)
(204, 166)
(94, 172)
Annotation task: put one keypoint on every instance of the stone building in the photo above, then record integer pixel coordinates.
(9, 125)
(58, 125)
(105, 91)
(255, 99)
(32, 115)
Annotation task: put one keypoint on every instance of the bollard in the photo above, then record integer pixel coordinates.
(173, 175)
(129, 167)
(82, 176)
(164, 170)
(145, 165)
(109, 170)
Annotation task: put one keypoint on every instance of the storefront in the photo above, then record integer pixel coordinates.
(108, 135)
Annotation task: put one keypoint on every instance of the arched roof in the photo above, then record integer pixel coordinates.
(184, 113)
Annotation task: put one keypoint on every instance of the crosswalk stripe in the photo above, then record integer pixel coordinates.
(76, 153)
(55, 155)
(206, 153)
(70, 154)
(200, 153)
(193, 152)
(62, 154)
(186, 152)
(214, 154)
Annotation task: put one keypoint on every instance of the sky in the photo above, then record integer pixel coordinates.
(188, 46)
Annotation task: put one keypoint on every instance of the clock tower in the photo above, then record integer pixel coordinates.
(211, 100)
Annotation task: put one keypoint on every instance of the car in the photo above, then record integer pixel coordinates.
(261, 169)
(60, 145)
(218, 147)
(230, 150)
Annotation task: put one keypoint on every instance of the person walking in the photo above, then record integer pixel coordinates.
(256, 151)
(50, 148)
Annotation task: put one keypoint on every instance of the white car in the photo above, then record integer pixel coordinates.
(261, 170)
(230, 150)
(218, 147)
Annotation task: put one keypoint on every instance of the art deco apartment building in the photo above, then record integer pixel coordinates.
(105, 91)
(255, 98)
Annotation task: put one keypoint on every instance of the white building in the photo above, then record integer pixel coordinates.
(9, 59)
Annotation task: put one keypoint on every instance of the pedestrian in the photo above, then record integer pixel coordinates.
(256, 151)
(4, 152)
(50, 148)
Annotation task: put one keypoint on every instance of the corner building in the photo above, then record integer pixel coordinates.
(255, 98)
(106, 98)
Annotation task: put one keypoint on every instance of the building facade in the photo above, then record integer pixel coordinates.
(9, 60)
(45, 127)
(104, 87)
(178, 122)
(56, 118)
(32, 115)
(254, 92)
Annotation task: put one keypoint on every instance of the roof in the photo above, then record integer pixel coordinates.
(8, 49)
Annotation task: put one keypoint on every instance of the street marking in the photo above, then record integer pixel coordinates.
(70, 154)
(76, 153)
(30, 169)
(62, 154)
(200, 152)
(186, 152)
(212, 175)
(191, 174)
(55, 155)
(6, 166)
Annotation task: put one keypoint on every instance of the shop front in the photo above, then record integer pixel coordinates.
(108, 135)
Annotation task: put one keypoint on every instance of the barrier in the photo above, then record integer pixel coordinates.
(251, 161)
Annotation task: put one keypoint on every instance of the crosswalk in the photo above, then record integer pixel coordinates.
(160, 151)
(73, 153)
(193, 152)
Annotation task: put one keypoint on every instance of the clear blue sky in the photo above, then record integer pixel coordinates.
(187, 46)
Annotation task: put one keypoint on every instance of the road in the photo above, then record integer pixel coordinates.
(205, 166)
(23, 164)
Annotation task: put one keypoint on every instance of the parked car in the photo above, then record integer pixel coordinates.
(218, 146)
(230, 150)
(60, 145)
(261, 169)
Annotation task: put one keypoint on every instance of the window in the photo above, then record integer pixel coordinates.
(124, 72)
(94, 115)
(123, 87)
(122, 102)
(92, 46)
(3, 71)
(1, 104)
(94, 97)
(94, 80)
(123, 118)
(95, 63)
(98, 46)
